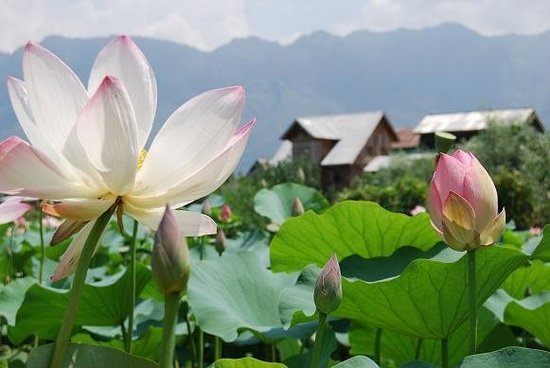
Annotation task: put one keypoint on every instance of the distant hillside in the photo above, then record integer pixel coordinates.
(406, 73)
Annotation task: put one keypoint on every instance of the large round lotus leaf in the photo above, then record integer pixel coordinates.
(429, 298)
(510, 357)
(43, 307)
(276, 203)
(357, 362)
(401, 349)
(235, 293)
(532, 314)
(245, 363)
(347, 228)
(87, 356)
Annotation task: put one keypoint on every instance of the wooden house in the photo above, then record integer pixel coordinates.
(342, 145)
(464, 125)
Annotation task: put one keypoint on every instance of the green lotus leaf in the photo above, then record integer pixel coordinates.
(428, 299)
(348, 228)
(276, 203)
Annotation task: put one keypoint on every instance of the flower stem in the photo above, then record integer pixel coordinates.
(378, 345)
(201, 348)
(445, 353)
(42, 247)
(168, 344)
(132, 267)
(217, 348)
(67, 323)
(319, 339)
(472, 300)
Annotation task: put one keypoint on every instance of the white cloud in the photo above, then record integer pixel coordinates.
(207, 24)
(489, 17)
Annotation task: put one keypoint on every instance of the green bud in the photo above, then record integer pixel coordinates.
(328, 288)
(170, 260)
(444, 141)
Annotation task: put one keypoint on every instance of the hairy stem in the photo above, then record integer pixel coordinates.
(132, 267)
(472, 300)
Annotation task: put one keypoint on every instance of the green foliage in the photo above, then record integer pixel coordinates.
(239, 191)
(400, 187)
(401, 196)
(517, 158)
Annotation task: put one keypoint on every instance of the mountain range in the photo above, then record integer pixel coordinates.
(405, 73)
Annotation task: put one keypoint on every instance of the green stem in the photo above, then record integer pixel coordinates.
(445, 353)
(132, 266)
(472, 300)
(201, 348)
(319, 340)
(418, 350)
(168, 344)
(191, 341)
(377, 345)
(217, 348)
(273, 353)
(67, 323)
(42, 247)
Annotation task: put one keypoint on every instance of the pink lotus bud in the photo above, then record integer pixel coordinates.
(170, 260)
(297, 207)
(463, 202)
(225, 213)
(328, 288)
(300, 175)
(220, 241)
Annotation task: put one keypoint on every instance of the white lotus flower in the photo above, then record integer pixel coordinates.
(85, 144)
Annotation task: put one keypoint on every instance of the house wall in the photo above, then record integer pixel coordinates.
(304, 146)
(379, 143)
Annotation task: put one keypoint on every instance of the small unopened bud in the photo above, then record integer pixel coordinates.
(300, 175)
(328, 288)
(220, 242)
(225, 213)
(206, 208)
(170, 260)
(263, 183)
(297, 207)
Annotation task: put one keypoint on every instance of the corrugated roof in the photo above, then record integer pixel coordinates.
(384, 161)
(470, 121)
(350, 130)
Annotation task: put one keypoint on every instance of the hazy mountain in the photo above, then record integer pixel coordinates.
(406, 73)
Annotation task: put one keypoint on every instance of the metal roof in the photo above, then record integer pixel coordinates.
(352, 132)
(471, 121)
(284, 152)
(384, 161)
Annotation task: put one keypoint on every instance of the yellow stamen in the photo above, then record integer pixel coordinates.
(141, 158)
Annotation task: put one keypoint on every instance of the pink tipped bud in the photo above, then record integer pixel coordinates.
(220, 241)
(206, 208)
(170, 260)
(297, 207)
(225, 213)
(328, 288)
(300, 175)
(463, 202)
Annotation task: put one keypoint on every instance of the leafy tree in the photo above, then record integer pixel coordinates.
(517, 158)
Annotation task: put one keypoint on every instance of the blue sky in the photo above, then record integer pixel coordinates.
(207, 24)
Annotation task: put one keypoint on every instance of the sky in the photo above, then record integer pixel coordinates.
(208, 24)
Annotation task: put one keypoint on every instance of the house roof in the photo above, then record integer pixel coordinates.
(475, 120)
(284, 152)
(407, 139)
(384, 161)
(351, 131)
